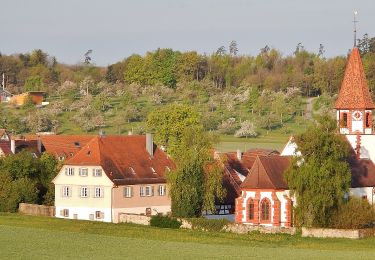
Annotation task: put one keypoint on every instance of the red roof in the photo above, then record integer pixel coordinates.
(63, 145)
(268, 173)
(354, 92)
(124, 159)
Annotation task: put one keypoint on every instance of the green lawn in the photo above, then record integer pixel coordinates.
(26, 237)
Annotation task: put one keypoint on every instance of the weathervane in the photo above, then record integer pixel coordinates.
(355, 21)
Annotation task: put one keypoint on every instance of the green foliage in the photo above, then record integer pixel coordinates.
(26, 179)
(33, 84)
(353, 214)
(164, 222)
(205, 224)
(321, 176)
(196, 182)
(169, 122)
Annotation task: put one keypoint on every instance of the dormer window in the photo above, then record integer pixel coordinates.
(153, 170)
(167, 169)
(131, 170)
(77, 144)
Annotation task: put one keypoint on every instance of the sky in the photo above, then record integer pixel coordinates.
(115, 29)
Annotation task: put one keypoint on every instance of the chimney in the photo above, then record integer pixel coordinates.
(39, 145)
(150, 144)
(13, 146)
(239, 154)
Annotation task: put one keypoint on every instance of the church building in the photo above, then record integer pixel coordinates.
(265, 198)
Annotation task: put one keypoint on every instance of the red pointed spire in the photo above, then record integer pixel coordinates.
(354, 92)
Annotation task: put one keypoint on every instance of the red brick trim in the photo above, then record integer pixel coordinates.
(288, 211)
(276, 210)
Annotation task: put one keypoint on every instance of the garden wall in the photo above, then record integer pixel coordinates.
(135, 219)
(234, 228)
(338, 233)
(36, 210)
(243, 229)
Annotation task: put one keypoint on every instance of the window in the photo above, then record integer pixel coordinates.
(64, 213)
(146, 191)
(66, 191)
(97, 172)
(162, 190)
(132, 170)
(251, 210)
(265, 206)
(128, 192)
(99, 192)
(368, 122)
(83, 172)
(69, 171)
(61, 158)
(99, 215)
(153, 170)
(84, 192)
(345, 120)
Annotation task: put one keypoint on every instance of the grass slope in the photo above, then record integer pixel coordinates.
(46, 238)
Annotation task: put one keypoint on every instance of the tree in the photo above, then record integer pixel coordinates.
(169, 122)
(247, 130)
(320, 176)
(197, 181)
(233, 48)
(321, 51)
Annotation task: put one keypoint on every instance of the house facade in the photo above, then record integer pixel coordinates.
(111, 175)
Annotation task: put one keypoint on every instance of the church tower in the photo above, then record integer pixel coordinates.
(354, 104)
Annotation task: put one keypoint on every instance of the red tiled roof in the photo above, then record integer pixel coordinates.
(124, 159)
(268, 173)
(354, 92)
(63, 145)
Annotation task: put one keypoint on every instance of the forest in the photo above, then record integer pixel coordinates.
(240, 95)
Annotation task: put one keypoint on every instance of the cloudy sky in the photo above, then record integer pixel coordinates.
(115, 29)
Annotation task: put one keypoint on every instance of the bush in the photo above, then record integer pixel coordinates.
(164, 222)
(208, 224)
(355, 213)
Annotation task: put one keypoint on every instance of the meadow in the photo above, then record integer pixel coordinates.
(27, 237)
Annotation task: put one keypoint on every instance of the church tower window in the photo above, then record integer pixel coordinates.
(368, 120)
(345, 120)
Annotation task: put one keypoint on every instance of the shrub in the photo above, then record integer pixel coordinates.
(164, 222)
(208, 224)
(355, 213)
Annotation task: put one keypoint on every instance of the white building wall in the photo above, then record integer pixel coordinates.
(83, 213)
(363, 191)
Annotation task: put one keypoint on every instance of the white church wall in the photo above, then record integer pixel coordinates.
(363, 191)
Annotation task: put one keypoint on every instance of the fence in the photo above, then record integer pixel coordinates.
(36, 210)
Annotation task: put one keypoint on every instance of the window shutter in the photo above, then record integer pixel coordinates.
(102, 215)
(102, 192)
(80, 192)
(152, 190)
(61, 212)
(66, 171)
(70, 191)
(131, 191)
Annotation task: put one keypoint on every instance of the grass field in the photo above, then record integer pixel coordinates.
(26, 237)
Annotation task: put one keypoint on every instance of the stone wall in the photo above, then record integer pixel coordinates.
(135, 219)
(36, 210)
(338, 233)
(244, 229)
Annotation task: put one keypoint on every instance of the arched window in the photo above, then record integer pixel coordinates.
(251, 210)
(265, 207)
